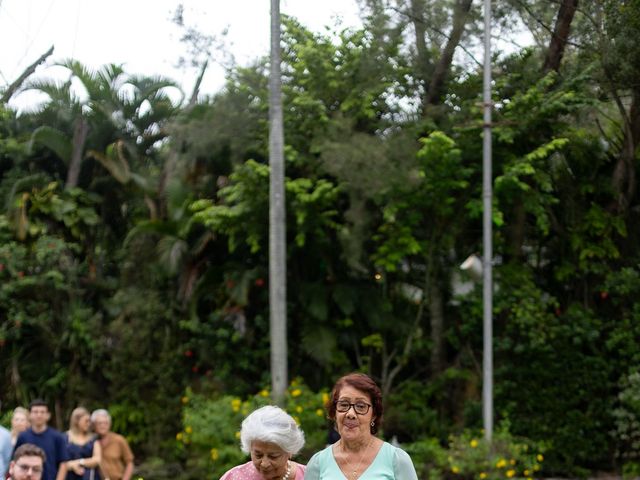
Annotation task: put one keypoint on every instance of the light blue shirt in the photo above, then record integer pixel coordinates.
(391, 463)
(6, 449)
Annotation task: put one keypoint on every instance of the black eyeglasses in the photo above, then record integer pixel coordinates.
(361, 408)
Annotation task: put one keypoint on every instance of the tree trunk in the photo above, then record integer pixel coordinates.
(560, 35)
(79, 138)
(196, 88)
(6, 96)
(422, 60)
(277, 232)
(443, 66)
(624, 174)
(436, 318)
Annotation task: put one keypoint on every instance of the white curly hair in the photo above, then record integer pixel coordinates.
(273, 425)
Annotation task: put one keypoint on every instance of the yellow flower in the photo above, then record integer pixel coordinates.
(512, 462)
(299, 409)
(237, 434)
(185, 400)
(294, 382)
(325, 398)
(526, 473)
(188, 429)
(319, 412)
(539, 457)
(511, 473)
(235, 404)
(536, 468)
(473, 443)
(482, 475)
(214, 454)
(296, 393)
(455, 469)
(264, 392)
(501, 463)
(179, 436)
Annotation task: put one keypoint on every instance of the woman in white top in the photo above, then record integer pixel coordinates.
(356, 408)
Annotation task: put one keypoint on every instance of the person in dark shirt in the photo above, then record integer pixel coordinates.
(48, 439)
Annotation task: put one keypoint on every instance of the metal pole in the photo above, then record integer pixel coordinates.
(277, 226)
(487, 280)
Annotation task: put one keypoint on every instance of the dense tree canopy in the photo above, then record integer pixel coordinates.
(134, 232)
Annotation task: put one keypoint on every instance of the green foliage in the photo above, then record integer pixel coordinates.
(627, 424)
(434, 196)
(243, 209)
(469, 456)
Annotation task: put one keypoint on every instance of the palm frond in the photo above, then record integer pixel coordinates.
(54, 140)
(113, 159)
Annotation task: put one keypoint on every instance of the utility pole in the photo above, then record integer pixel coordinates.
(277, 228)
(487, 234)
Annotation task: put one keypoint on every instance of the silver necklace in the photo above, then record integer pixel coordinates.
(349, 467)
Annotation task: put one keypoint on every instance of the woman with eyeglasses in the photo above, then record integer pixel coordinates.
(355, 406)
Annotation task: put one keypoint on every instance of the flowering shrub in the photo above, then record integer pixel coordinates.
(469, 456)
(210, 438)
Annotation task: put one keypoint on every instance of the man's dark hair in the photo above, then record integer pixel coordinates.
(38, 402)
(29, 450)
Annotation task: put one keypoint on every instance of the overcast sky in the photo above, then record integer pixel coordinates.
(141, 35)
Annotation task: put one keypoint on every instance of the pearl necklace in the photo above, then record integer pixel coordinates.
(347, 463)
(288, 472)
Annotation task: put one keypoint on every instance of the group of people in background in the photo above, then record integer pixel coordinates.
(272, 438)
(269, 435)
(89, 450)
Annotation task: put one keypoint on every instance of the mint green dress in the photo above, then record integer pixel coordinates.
(391, 463)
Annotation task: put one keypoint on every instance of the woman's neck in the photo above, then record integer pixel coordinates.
(356, 445)
(78, 436)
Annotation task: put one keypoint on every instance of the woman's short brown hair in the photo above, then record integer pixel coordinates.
(364, 383)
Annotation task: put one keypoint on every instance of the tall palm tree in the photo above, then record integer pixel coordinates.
(277, 228)
(116, 114)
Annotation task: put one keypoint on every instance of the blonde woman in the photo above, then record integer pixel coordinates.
(19, 423)
(84, 451)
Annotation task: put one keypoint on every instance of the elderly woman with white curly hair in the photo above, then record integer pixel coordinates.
(271, 437)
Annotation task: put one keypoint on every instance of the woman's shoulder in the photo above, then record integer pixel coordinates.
(322, 455)
(299, 469)
(393, 453)
(401, 460)
(240, 472)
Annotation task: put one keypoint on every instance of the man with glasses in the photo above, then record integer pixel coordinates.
(117, 459)
(28, 463)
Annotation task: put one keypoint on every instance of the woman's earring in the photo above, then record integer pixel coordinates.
(373, 424)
